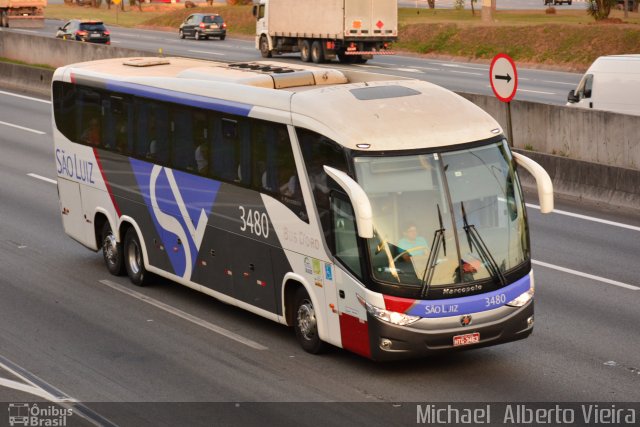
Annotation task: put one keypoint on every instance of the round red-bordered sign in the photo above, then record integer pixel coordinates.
(503, 77)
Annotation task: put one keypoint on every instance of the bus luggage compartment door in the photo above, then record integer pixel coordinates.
(73, 219)
(253, 273)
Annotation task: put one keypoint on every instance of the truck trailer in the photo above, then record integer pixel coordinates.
(351, 30)
(22, 13)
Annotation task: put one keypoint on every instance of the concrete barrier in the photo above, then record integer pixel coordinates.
(24, 78)
(33, 49)
(590, 155)
(593, 136)
(587, 181)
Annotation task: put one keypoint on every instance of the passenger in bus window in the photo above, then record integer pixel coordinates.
(152, 151)
(91, 134)
(202, 157)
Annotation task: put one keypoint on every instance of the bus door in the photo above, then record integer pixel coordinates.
(73, 219)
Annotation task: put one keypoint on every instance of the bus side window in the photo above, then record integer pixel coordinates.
(225, 150)
(182, 144)
(317, 152)
(65, 95)
(117, 133)
(89, 117)
(345, 239)
(158, 132)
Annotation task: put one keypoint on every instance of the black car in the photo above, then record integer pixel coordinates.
(203, 26)
(84, 31)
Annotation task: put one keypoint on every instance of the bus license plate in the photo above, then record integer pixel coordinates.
(466, 339)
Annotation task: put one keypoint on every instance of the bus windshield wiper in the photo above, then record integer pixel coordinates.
(432, 261)
(474, 239)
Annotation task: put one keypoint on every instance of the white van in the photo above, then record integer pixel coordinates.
(612, 83)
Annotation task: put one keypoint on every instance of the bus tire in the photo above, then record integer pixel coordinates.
(305, 51)
(264, 47)
(133, 259)
(317, 53)
(305, 323)
(112, 251)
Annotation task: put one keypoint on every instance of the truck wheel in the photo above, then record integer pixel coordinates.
(305, 323)
(317, 52)
(305, 51)
(133, 259)
(181, 34)
(5, 20)
(360, 60)
(197, 35)
(264, 47)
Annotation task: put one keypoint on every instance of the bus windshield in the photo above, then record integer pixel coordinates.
(444, 218)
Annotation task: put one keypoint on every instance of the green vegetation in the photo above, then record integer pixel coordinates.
(12, 61)
(569, 38)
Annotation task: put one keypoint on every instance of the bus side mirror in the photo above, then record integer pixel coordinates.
(572, 96)
(359, 199)
(543, 181)
(255, 10)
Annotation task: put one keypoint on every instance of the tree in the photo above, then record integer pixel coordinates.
(600, 9)
(432, 4)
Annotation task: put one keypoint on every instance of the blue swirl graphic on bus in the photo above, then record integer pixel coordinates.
(470, 304)
(179, 204)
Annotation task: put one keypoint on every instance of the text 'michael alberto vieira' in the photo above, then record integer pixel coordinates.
(525, 414)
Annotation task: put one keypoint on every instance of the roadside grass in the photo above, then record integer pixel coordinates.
(13, 61)
(568, 39)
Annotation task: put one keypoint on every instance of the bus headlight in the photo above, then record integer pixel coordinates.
(393, 317)
(523, 298)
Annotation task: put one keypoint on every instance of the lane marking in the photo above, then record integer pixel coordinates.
(537, 91)
(207, 52)
(184, 315)
(408, 70)
(25, 388)
(467, 72)
(39, 387)
(585, 275)
(43, 178)
(23, 128)
(24, 97)
(589, 218)
(559, 83)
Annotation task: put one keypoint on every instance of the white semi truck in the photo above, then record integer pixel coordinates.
(351, 30)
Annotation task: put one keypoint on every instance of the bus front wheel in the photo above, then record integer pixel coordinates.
(112, 251)
(305, 323)
(133, 259)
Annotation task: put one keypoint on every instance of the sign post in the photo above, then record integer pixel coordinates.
(504, 82)
(117, 3)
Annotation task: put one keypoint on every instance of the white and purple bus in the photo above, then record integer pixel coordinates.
(380, 215)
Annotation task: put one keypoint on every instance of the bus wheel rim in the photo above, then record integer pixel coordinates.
(110, 248)
(307, 320)
(134, 257)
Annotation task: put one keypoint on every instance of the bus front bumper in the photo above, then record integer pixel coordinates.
(391, 342)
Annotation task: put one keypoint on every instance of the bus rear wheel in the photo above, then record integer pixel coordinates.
(305, 323)
(112, 251)
(133, 260)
